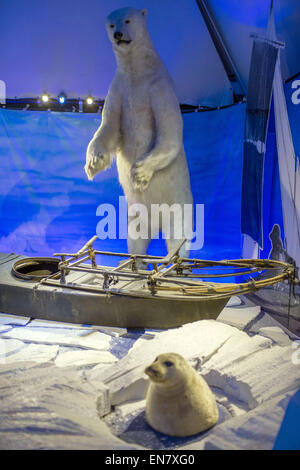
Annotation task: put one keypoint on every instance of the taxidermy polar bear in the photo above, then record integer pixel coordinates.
(142, 127)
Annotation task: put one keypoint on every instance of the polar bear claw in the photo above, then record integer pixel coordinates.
(141, 174)
(96, 160)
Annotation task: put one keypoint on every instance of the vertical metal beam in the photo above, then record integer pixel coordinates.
(238, 87)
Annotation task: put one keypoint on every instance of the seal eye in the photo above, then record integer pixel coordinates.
(168, 363)
(127, 21)
(112, 25)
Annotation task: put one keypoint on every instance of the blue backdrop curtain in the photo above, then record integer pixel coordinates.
(48, 205)
(271, 196)
(263, 61)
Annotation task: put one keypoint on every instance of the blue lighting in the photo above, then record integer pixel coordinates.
(62, 98)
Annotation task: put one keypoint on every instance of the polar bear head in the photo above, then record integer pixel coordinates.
(126, 26)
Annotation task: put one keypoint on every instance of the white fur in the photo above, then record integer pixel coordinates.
(179, 402)
(141, 125)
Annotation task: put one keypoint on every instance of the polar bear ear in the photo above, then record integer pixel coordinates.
(144, 11)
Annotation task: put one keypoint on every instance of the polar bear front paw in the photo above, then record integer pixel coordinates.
(95, 161)
(141, 174)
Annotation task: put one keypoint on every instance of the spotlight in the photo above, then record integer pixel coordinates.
(62, 97)
(45, 97)
(89, 100)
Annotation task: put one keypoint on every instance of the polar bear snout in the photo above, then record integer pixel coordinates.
(119, 38)
(118, 35)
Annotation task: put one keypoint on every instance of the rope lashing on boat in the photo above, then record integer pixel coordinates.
(109, 279)
(173, 273)
(212, 289)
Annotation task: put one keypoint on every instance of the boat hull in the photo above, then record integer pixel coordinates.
(127, 310)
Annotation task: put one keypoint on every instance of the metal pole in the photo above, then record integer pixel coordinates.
(238, 87)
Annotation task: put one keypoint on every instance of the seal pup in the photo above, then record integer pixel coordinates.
(178, 402)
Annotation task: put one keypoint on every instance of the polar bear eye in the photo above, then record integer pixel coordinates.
(168, 363)
(112, 25)
(127, 21)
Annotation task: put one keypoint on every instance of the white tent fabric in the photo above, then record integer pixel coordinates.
(288, 166)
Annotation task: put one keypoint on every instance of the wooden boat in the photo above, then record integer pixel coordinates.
(76, 289)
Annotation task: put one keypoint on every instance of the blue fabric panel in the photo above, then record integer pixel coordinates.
(263, 61)
(288, 437)
(272, 207)
(47, 205)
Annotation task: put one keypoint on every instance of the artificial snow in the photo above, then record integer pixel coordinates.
(13, 319)
(112, 331)
(129, 423)
(265, 321)
(195, 340)
(34, 352)
(255, 373)
(234, 301)
(66, 337)
(8, 347)
(276, 334)
(4, 328)
(87, 383)
(239, 317)
(254, 430)
(48, 403)
(84, 357)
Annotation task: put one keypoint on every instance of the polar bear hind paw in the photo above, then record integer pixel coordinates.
(140, 176)
(140, 185)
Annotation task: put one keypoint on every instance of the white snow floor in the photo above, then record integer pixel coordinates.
(65, 386)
